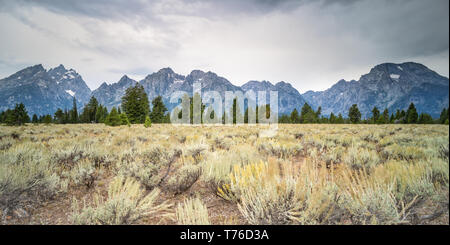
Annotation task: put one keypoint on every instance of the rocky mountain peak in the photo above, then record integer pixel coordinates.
(125, 80)
(29, 71)
(388, 85)
(166, 70)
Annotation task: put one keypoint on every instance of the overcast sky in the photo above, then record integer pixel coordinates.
(310, 44)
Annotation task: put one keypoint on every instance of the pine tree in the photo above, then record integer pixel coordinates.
(124, 119)
(354, 114)
(307, 114)
(392, 119)
(411, 114)
(444, 116)
(283, 119)
(235, 111)
(294, 116)
(148, 122)
(425, 118)
(158, 110)
(89, 111)
(397, 115)
(9, 118)
(74, 112)
(47, 119)
(332, 118)
(113, 118)
(135, 104)
(92, 106)
(402, 117)
(59, 116)
(384, 118)
(340, 119)
(102, 113)
(35, 119)
(318, 112)
(375, 115)
(18, 116)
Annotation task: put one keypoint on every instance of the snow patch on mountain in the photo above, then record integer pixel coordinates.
(70, 92)
(395, 76)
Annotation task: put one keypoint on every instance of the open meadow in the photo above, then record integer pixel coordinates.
(305, 174)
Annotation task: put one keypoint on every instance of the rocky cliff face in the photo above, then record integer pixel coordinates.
(37, 90)
(71, 82)
(42, 91)
(391, 86)
(288, 97)
(110, 95)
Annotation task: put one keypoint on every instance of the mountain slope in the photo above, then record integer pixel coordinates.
(71, 82)
(388, 85)
(288, 97)
(110, 95)
(34, 88)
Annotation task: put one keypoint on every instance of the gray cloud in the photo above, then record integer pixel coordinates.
(311, 44)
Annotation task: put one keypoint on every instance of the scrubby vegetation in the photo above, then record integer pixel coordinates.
(163, 174)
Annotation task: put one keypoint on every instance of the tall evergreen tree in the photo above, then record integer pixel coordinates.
(332, 118)
(59, 116)
(402, 117)
(307, 114)
(392, 119)
(284, 118)
(411, 114)
(89, 111)
(397, 115)
(113, 119)
(340, 119)
(354, 114)
(124, 119)
(18, 116)
(425, 118)
(35, 119)
(102, 113)
(158, 110)
(384, 118)
(375, 115)
(74, 112)
(444, 116)
(318, 112)
(135, 104)
(295, 118)
(47, 119)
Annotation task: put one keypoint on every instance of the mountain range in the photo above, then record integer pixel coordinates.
(388, 85)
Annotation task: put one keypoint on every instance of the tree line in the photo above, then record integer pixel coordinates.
(135, 109)
(410, 116)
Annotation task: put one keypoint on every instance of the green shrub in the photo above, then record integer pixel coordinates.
(148, 122)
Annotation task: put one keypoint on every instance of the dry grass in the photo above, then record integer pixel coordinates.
(305, 174)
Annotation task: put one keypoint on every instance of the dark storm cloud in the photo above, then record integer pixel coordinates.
(420, 29)
(132, 9)
(313, 42)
